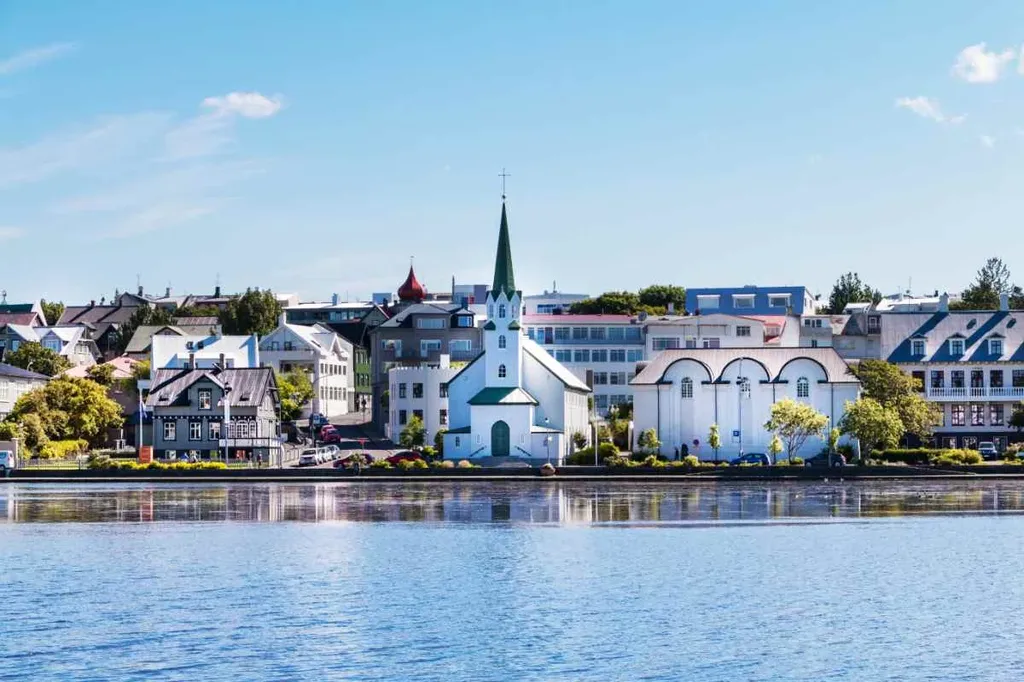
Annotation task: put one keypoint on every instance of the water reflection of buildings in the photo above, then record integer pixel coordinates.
(543, 502)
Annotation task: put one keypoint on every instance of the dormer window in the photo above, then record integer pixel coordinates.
(956, 346)
(741, 302)
(995, 346)
(917, 347)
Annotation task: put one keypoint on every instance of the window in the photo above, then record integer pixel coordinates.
(464, 321)
(743, 330)
(599, 355)
(956, 378)
(52, 344)
(601, 402)
(995, 346)
(501, 341)
(917, 347)
(490, 310)
(213, 431)
(635, 355)
(710, 342)
(600, 378)
(598, 333)
(956, 346)
(442, 417)
(581, 355)
(1017, 377)
(707, 302)
(430, 323)
(664, 342)
(977, 378)
(417, 414)
(744, 384)
(956, 415)
(458, 441)
(5, 387)
(938, 378)
(561, 333)
(417, 390)
(918, 380)
(288, 345)
(686, 387)
(970, 442)
(617, 378)
(403, 417)
(579, 333)
(803, 388)
(745, 302)
(457, 345)
(443, 390)
(815, 322)
(195, 430)
(615, 334)
(428, 346)
(501, 311)
(205, 399)
(995, 414)
(874, 324)
(170, 430)
(401, 390)
(502, 372)
(563, 355)
(977, 415)
(778, 301)
(995, 378)
(617, 355)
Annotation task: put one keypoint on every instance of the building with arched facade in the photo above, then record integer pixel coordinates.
(681, 393)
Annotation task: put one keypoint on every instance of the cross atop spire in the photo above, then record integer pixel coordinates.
(503, 175)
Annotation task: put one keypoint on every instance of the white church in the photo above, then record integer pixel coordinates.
(514, 400)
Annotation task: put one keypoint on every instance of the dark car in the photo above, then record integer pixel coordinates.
(753, 459)
(826, 459)
(318, 420)
(354, 459)
(405, 456)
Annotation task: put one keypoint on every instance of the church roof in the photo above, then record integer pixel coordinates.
(504, 277)
(511, 395)
(558, 369)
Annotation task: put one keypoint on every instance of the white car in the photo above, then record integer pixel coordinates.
(6, 460)
(333, 452)
(309, 458)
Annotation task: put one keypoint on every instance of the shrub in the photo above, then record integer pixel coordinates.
(430, 452)
(581, 457)
(653, 461)
(466, 464)
(443, 464)
(691, 461)
(410, 464)
(619, 462)
(957, 458)
(918, 456)
(61, 449)
(380, 464)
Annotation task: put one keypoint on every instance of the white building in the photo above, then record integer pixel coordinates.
(550, 302)
(14, 383)
(71, 342)
(720, 330)
(325, 356)
(514, 400)
(601, 350)
(419, 392)
(681, 393)
(203, 352)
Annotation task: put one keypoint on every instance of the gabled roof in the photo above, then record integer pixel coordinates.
(569, 379)
(249, 386)
(503, 396)
(12, 372)
(122, 365)
(29, 319)
(772, 359)
(405, 317)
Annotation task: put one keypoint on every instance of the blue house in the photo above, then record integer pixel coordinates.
(750, 300)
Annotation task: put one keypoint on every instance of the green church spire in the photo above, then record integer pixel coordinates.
(504, 278)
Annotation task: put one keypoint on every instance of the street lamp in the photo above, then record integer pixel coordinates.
(547, 439)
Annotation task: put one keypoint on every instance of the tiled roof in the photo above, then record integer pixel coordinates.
(772, 359)
(20, 318)
(254, 383)
(503, 396)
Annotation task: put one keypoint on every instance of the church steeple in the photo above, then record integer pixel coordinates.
(504, 277)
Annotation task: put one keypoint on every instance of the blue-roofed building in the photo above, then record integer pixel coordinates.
(970, 363)
(750, 300)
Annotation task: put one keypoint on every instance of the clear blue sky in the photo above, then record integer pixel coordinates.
(313, 147)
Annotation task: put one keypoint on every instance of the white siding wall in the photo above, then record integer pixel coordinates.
(430, 404)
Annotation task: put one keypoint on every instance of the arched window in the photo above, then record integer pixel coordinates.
(803, 388)
(502, 372)
(490, 310)
(501, 341)
(687, 387)
(501, 311)
(744, 383)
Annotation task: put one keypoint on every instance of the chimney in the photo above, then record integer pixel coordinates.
(944, 303)
(167, 292)
(191, 360)
(671, 308)
(92, 303)
(283, 320)
(334, 299)
(222, 361)
(1004, 302)
(140, 290)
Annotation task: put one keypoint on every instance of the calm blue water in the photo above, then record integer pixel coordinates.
(489, 582)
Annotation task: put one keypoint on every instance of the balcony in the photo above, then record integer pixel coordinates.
(967, 394)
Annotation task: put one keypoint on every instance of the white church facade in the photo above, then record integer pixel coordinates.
(514, 400)
(681, 393)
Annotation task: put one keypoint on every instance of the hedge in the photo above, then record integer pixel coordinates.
(926, 456)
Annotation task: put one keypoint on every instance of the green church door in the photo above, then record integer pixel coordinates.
(499, 440)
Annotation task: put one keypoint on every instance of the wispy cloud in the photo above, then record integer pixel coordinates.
(928, 108)
(213, 131)
(975, 64)
(159, 216)
(7, 233)
(987, 141)
(247, 104)
(34, 57)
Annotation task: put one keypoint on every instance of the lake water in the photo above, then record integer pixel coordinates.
(525, 581)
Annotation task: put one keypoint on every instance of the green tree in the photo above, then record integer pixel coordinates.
(849, 289)
(992, 280)
(140, 370)
(873, 424)
(197, 311)
(9, 430)
(608, 303)
(833, 439)
(69, 408)
(34, 435)
(714, 439)
(296, 391)
(413, 435)
(649, 443)
(101, 374)
(439, 442)
(142, 317)
(254, 312)
(893, 388)
(775, 447)
(34, 357)
(659, 296)
(52, 311)
(1017, 417)
(579, 440)
(794, 422)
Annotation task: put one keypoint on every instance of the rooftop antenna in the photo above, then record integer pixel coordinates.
(3, 296)
(503, 175)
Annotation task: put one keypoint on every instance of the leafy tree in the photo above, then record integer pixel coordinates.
(775, 447)
(794, 422)
(52, 311)
(992, 280)
(142, 317)
(198, 311)
(439, 442)
(833, 439)
(101, 374)
(714, 439)
(849, 289)
(68, 408)
(9, 431)
(296, 390)
(873, 424)
(32, 431)
(34, 357)
(140, 370)
(579, 440)
(649, 443)
(893, 388)
(254, 312)
(1017, 418)
(660, 295)
(413, 435)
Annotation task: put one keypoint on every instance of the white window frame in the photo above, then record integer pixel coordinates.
(502, 372)
(195, 430)
(686, 388)
(502, 342)
(916, 344)
(955, 344)
(803, 388)
(205, 393)
(995, 346)
(743, 301)
(743, 330)
(213, 430)
(786, 298)
(708, 302)
(170, 430)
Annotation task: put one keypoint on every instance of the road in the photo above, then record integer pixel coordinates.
(352, 428)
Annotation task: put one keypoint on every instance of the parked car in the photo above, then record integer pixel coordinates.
(6, 460)
(333, 452)
(834, 459)
(404, 456)
(329, 434)
(353, 459)
(988, 450)
(318, 420)
(309, 458)
(755, 458)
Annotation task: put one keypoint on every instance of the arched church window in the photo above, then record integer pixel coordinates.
(501, 341)
(502, 372)
(803, 388)
(501, 311)
(687, 387)
(744, 383)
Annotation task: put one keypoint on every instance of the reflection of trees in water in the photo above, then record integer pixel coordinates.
(522, 502)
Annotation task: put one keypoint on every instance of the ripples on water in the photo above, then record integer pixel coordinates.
(519, 582)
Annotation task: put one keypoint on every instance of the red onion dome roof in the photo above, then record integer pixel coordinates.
(411, 289)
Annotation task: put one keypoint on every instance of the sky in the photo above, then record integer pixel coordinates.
(315, 147)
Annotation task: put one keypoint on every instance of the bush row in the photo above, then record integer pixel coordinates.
(586, 455)
(925, 456)
(409, 465)
(114, 465)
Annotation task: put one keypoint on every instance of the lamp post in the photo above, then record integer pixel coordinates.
(547, 438)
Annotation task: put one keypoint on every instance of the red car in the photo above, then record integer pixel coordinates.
(329, 435)
(407, 456)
